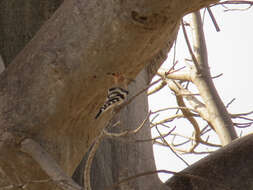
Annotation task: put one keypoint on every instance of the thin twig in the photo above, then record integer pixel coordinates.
(233, 3)
(217, 76)
(242, 9)
(243, 125)
(189, 46)
(200, 140)
(183, 151)
(87, 170)
(138, 93)
(155, 138)
(163, 139)
(213, 19)
(174, 108)
(191, 176)
(229, 103)
(241, 114)
(166, 120)
(179, 144)
(204, 130)
(244, 118)
(128, 132)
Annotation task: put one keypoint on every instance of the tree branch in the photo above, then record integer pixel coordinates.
(219, 117)
(49, 165)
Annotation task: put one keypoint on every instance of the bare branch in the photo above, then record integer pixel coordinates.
(213, 19)
(217, 76)
(179, 144)
(189, 46)
(87, 170)
(241, 114)
(234, 2)
(165, 142)
(155, 138)
(166, 120)
(183, 75)
(175, 87)
(193, 139)
(182, 151)
(136, 95)
(205, 130)
(128, 132)
(229, 103)
(161, 85)
(49, 165)
(218, 115)
(243, 125)
(174, 108)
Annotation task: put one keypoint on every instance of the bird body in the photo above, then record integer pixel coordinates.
(117, 91)
(115, 97)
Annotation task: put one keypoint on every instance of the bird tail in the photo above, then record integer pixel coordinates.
(98, 114)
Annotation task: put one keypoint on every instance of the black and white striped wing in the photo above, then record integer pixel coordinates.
(115, 97)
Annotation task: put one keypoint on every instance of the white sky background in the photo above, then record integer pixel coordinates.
(230, 52)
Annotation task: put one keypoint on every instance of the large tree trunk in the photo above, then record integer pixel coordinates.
(52, 90)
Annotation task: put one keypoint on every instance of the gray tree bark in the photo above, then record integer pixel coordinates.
(229, 168)
(19, 21)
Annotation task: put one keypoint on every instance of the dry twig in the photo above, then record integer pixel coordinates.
(165, 142)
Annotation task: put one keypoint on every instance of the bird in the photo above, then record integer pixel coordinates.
(115, 97)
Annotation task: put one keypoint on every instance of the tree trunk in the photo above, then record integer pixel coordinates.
(53, 88)
(231, 167)
(19, 21)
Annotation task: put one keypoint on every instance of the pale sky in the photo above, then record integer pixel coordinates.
(230, 52)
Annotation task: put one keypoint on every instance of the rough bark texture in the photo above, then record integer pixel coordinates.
(19, 21)
(52, 90)
(230, 166)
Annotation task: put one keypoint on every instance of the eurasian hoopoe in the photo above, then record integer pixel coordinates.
(115, 95)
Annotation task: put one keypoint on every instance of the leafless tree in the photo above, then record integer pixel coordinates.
(207, 105)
